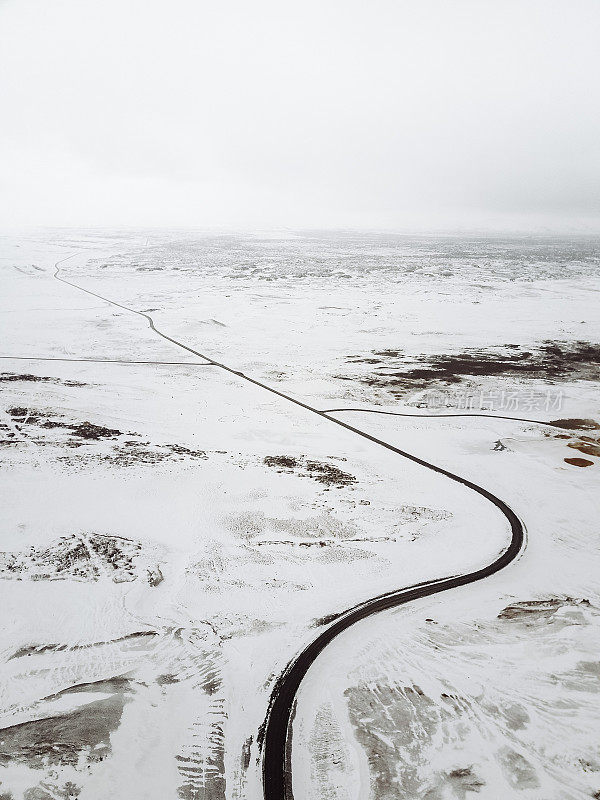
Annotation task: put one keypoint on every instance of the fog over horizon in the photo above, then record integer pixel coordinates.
(431, 115)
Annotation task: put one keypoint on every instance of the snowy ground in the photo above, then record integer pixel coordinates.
(173, 535)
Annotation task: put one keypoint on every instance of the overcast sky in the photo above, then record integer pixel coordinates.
(428, 114)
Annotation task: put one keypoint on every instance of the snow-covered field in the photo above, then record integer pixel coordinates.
(173, 535)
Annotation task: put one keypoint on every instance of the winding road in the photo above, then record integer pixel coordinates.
(277, 734)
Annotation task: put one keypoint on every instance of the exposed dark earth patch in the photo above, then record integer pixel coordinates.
(398, 372)
(91, 432)
(201, 761)
(566, 610)
(520, 773)
(20, 413)
(13, 377)
(329, 474)
(576, 424)
(321, 471)
(8, 438)
(283, 462)
(124, 451)
(154, 575)
(588, 445)
(76, 557)
(167, 679)
(384, 718)
(579, 462)
(461, 781)
(83, 430)
(204, 777)
(62, 739)
(588, 448)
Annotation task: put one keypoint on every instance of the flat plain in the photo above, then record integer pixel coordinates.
(174, 534)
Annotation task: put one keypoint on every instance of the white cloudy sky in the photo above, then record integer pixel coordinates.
(399, 114)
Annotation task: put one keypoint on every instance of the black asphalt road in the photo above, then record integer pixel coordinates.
(434, 416)
(277, 780)
(277, 735)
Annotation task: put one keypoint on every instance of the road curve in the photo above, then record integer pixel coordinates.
(277, 728)
(277, 732)
(435, 416)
